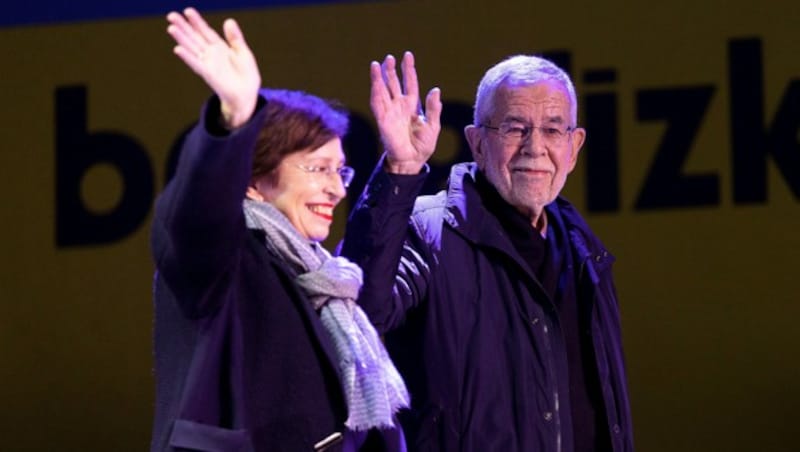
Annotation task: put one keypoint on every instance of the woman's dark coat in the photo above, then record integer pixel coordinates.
(241, 360)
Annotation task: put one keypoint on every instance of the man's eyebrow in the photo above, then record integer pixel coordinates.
(556, 119)
(514, 118)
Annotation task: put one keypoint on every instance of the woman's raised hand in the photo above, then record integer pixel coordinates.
(227, 65)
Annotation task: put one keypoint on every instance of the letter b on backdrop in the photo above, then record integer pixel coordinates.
(77, 151)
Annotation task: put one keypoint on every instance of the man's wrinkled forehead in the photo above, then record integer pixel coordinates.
(545, 98)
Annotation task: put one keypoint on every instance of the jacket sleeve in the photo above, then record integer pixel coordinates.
(199, 221)
(380, 239)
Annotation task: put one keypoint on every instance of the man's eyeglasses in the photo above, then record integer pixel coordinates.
(517, 134)
(345, 172)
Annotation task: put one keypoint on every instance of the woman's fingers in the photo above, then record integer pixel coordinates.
(184, 39)
(201, 26)
(234, 35)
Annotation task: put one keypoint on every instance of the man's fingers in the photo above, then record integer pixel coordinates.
(390, 75)
(433, 107)
(410, 82)
(378, 93)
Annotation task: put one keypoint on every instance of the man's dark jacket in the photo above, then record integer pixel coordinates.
(467, 324)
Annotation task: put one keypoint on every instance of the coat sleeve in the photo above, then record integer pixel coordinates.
(380, 239)
(199, 221)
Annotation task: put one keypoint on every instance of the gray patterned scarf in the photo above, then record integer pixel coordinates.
(373, 388)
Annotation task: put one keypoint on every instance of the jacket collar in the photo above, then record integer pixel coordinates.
(466, 214)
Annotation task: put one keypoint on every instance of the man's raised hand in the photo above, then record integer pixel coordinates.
(408, 134)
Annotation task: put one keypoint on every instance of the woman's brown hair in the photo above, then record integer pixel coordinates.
(295, 121)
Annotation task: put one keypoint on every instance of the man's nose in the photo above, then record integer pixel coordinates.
(535, 143)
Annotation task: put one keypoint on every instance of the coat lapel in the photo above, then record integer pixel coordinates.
(300, 299)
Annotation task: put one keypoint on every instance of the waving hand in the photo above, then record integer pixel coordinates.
(409, 135)
(227, 65)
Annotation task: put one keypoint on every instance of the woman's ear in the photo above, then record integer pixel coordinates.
(254, 194)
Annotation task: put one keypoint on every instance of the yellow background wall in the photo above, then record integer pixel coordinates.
(709, 294)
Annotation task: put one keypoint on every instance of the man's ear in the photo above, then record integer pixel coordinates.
(473, 135)
(578, 138)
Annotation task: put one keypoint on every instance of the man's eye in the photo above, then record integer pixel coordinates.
(517, 131)
(551, 131)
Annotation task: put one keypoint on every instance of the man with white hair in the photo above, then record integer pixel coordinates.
(495, 298)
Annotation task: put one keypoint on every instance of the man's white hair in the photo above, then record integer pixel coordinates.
(520, 70)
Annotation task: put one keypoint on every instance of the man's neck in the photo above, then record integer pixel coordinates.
(539, 222)
(491, 197)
